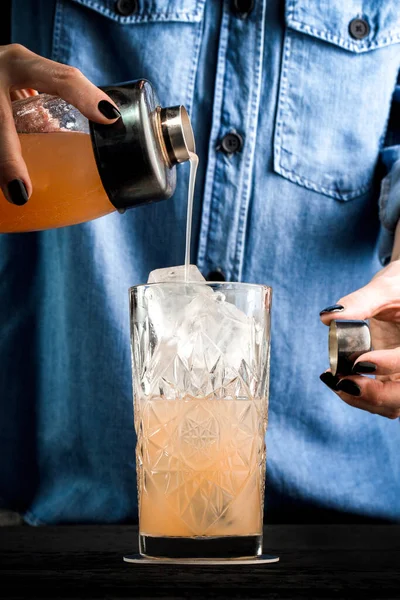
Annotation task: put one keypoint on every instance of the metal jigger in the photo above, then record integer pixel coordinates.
(347, 341)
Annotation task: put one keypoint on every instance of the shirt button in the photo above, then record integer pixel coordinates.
(359, 29)
(242, 8)
(216, 275)
(126, 8)
(231, 143)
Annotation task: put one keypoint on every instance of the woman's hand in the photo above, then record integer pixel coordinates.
(21, 69)
(379, 301)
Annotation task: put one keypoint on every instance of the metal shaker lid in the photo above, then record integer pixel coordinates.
(177, 133)
(347, 341)
(135, 155)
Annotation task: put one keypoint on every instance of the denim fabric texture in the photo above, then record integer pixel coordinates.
(297, 208)
(390, 188)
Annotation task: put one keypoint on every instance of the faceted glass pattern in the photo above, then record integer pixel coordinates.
(200, 363)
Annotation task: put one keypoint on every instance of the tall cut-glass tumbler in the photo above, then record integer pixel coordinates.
(200, 363)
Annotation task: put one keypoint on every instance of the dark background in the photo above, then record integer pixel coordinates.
(5, 22)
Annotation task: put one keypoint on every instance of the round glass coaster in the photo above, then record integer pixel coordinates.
(254, 560)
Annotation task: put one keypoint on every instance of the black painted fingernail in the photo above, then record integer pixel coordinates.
(108, 110)
(16, 192)
(348, 387)
(364, 367)
(332, 309)
(330, 380)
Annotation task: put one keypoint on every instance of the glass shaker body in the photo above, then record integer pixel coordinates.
(57, 148)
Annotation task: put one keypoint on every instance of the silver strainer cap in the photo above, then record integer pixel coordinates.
(347, 341)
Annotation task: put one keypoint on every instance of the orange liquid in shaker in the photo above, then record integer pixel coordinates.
(66, 185)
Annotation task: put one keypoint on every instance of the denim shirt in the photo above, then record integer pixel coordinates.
(296, 208)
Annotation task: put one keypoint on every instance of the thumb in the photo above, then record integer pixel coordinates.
(362, 304)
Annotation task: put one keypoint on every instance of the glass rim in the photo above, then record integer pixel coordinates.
(259, 286)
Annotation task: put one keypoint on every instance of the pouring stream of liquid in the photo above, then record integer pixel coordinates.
(194, 162)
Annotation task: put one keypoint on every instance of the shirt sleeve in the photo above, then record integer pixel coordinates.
(389, 200)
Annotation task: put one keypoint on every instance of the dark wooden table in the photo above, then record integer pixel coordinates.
(317, 561)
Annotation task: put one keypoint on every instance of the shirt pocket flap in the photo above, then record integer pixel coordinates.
(148, 11)
(331, 21)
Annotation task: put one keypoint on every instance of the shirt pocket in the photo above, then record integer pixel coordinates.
(335, 93)
(159, 41)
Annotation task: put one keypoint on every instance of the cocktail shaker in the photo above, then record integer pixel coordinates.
(82, 170)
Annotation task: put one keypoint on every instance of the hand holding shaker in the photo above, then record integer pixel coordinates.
(82, 170)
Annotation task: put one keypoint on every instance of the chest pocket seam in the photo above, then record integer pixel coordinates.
(286, 124)
(278, 141)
